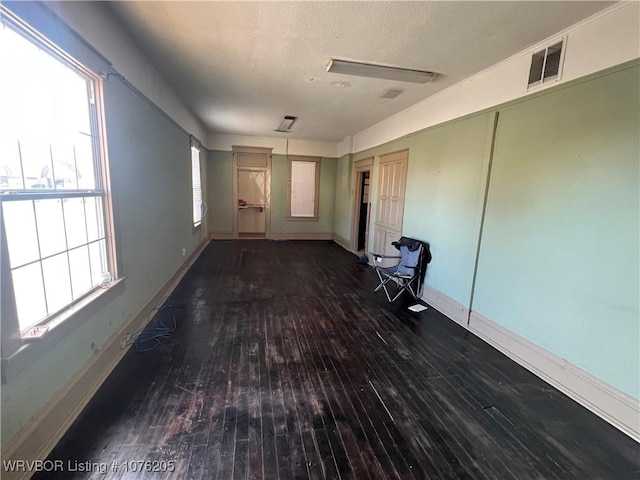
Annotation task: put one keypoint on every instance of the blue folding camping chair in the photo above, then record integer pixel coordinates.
(409, 273)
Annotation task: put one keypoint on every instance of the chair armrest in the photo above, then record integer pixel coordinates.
(379, 256)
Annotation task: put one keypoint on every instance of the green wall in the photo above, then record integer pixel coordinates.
(151, 186)
(220, 195)
(559, 258)
(345, 185)
(279, 176)
(343, 207)
(446, 176)
(220, 191)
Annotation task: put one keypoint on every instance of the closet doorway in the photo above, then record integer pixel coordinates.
(361, 206)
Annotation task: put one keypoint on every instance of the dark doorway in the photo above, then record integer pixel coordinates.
(363, 210)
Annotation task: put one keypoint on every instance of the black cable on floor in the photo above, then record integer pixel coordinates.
(150, 337)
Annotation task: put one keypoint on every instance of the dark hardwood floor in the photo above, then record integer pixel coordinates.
(284, 364)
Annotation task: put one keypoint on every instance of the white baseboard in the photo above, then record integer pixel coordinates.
(446, 305)
(616, 407)
(300, 236)
(223, 236)
(276, 236)
(37, 438)
(609, 403)
(343, 242)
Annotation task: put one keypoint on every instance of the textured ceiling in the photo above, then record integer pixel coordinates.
(241, 66)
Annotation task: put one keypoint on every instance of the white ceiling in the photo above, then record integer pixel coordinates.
(241, 66)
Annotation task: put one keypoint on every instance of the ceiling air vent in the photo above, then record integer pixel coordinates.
(546, 65)
(392, 93)
(285, 124)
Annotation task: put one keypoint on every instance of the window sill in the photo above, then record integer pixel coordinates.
(59, 328)
(303, 219)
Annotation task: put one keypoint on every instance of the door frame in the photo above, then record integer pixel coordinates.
(259, 160)
(359, 167)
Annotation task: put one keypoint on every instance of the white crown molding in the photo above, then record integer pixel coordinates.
(280, 145)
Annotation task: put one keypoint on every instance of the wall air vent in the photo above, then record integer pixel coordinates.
(392, 93)
(546, 65)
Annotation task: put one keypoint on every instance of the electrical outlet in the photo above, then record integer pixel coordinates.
(126, 341)
(184, 252)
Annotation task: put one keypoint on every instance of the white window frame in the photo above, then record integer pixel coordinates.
(304, 188)
(109, 277)
(199, 205)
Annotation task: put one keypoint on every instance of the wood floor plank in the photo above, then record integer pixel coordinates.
(376, 434)
(329, 467)
(415, 467)
(295, 397)
(377, 407)
(269, 461)
(254, 408)
(343, 427)
(228, 432)
(383, 369)
(460, 402)
(275, 360)
(283, 456)
(215, 391)
(306, 401)
(315, 468)
(240, 460)
(360, 425)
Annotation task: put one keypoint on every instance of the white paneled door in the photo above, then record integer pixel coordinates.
(392, 181)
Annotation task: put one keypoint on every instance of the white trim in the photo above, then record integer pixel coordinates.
(238, 152)
(612, 405)
(343, 242)
(355, 184)
(300, 236)
(196, 186)
(346, 146)
(37, 438)
(609, 403)
(446, 305)
(223, 236)
(280, 145)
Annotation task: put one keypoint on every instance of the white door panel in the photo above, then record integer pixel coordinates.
(390, 208)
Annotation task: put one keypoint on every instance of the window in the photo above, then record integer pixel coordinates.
(52, 179)
(198, 204)
(304, 188)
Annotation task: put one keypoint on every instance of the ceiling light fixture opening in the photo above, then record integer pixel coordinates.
(392, 93)
(285, 124)
(379, 71)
